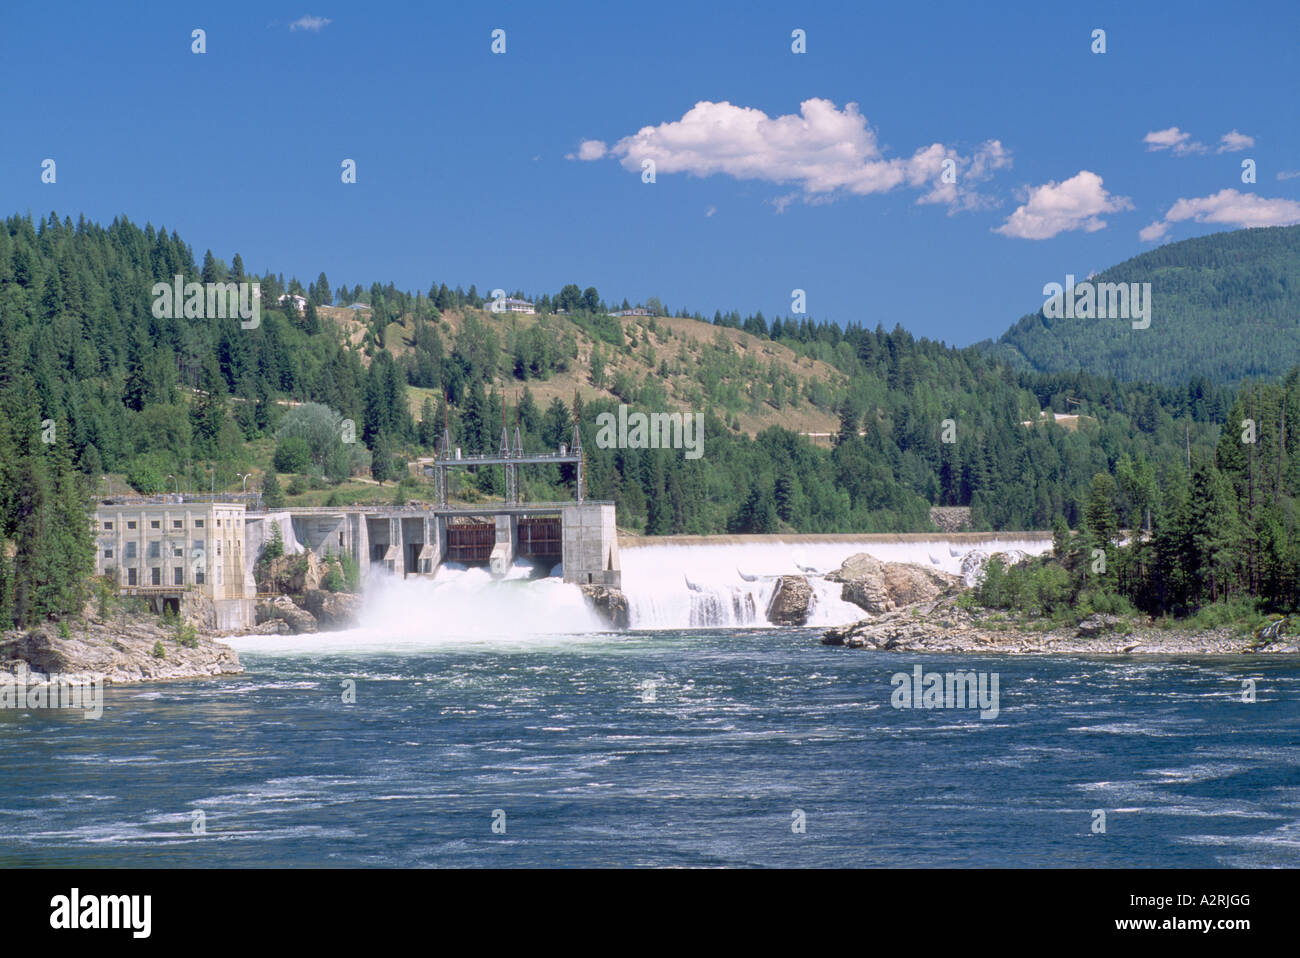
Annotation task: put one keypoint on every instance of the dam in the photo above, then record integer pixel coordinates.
(416, 540)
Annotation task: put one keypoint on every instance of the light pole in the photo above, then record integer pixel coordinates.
(178, 485)
(244, 476)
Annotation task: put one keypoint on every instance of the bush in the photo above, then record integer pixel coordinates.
(296, 486)
(293, 454)
(64, 631)
(333, 580)
(187, 636)
(158, 651)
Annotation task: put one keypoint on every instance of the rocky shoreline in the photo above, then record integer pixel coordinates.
(120, 649)
(945, 627)
(915, 609)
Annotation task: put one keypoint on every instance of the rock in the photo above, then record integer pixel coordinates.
(290, 574)
(282, 608)
(610, 604)
(880, 587)
(950, 518)
(1098, 624)
(333, 610)
(791, 601)
(973, 563)
(121, 650)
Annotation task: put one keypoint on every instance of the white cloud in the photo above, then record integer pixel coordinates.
(308, 22)
(1227, 208)
(710, 211)
(1288, 174)
(1073, 204)
(825, 150)
(589, 150)
(1234, 141)
(1172, 139)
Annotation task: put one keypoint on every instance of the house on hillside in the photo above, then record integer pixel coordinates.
(299, 302)
(509, 305)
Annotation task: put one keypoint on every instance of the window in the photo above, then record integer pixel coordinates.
(218, 547)
(340, 538)
(130, 523)
(218, 523)
(178, 575)
(155, 576)
(130, 577)
(198, 544)
(198, 577)
(155, 549)
(130, 550)
(198, 523)
(178, 523)
(178, 552)
(108, 553)
(155, 524)
(108, 525)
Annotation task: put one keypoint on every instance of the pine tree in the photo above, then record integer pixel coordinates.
(272, 496)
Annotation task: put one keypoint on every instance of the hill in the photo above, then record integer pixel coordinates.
(1225, 307)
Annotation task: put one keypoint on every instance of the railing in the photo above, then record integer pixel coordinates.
(427, 508)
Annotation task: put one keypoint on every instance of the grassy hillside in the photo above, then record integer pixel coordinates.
(1225, 307)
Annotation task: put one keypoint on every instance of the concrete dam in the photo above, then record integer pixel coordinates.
(416, 540)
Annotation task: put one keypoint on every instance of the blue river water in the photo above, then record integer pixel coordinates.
(691, 748)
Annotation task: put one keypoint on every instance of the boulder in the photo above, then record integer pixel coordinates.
(880, 587)
(791, 601)
(282, 608)
(1098, 624)
(290, 574)
(973, 563)
(333, 610)
(609, 603)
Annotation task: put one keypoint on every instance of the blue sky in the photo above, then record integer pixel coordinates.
(468, 168)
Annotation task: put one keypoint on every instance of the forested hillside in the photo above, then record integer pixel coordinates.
(158, 403)
(1225, 307)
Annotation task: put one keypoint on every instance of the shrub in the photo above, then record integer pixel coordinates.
(187, 635)
(293, 454)
(158, 651)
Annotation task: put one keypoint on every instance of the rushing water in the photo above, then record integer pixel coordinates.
(730, 584)
(743, 727)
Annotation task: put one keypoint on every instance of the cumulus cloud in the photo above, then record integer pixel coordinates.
(1288, 174)
(826, 151)
(1073, 204)
(308, 22)
(1234, 141)
(1227, 208)
(589, 150)
(1172, 139)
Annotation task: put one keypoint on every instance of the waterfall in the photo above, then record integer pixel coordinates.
(730, 583)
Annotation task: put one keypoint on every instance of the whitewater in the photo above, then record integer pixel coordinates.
(674, 585)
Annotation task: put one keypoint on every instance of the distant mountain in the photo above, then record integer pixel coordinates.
(1225, 307)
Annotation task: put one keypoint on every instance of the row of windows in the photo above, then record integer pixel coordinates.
(157, 524)
(155, 550)
(155, 576)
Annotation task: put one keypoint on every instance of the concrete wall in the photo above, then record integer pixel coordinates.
(591, 545)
